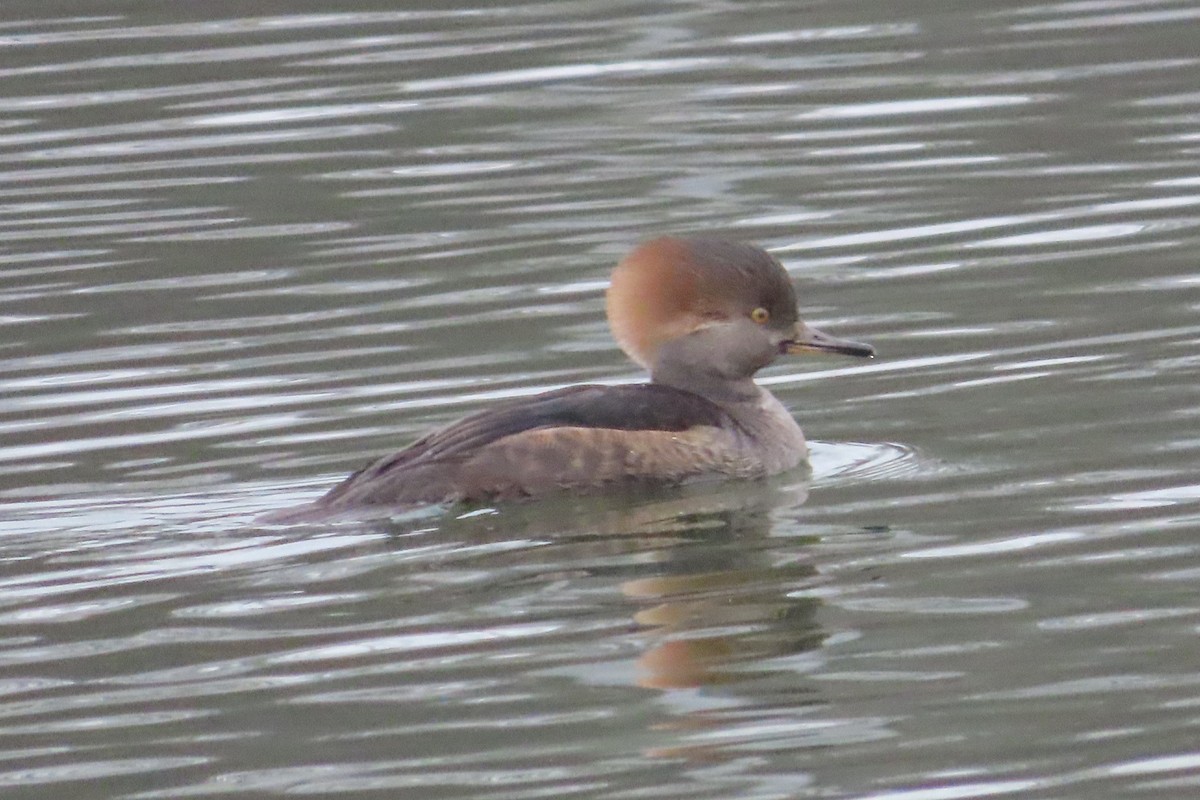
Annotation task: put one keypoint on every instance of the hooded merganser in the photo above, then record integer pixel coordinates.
(702, 315)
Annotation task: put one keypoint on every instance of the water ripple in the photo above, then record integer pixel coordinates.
(242, 254)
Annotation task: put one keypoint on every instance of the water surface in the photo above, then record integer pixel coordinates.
(241, 254)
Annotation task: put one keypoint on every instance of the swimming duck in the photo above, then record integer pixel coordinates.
(703, 315)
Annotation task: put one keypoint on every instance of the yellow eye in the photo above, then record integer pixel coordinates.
(760, 315)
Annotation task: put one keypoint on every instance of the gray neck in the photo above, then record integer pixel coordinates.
(717, 388)
(717, 362)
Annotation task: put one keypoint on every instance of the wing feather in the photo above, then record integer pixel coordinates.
(513, 448)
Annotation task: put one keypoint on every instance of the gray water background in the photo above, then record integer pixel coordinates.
(243, 249)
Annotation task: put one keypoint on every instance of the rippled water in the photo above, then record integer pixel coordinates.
(241, 254)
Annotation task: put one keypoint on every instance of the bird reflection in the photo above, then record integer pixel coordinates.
(710, 592)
